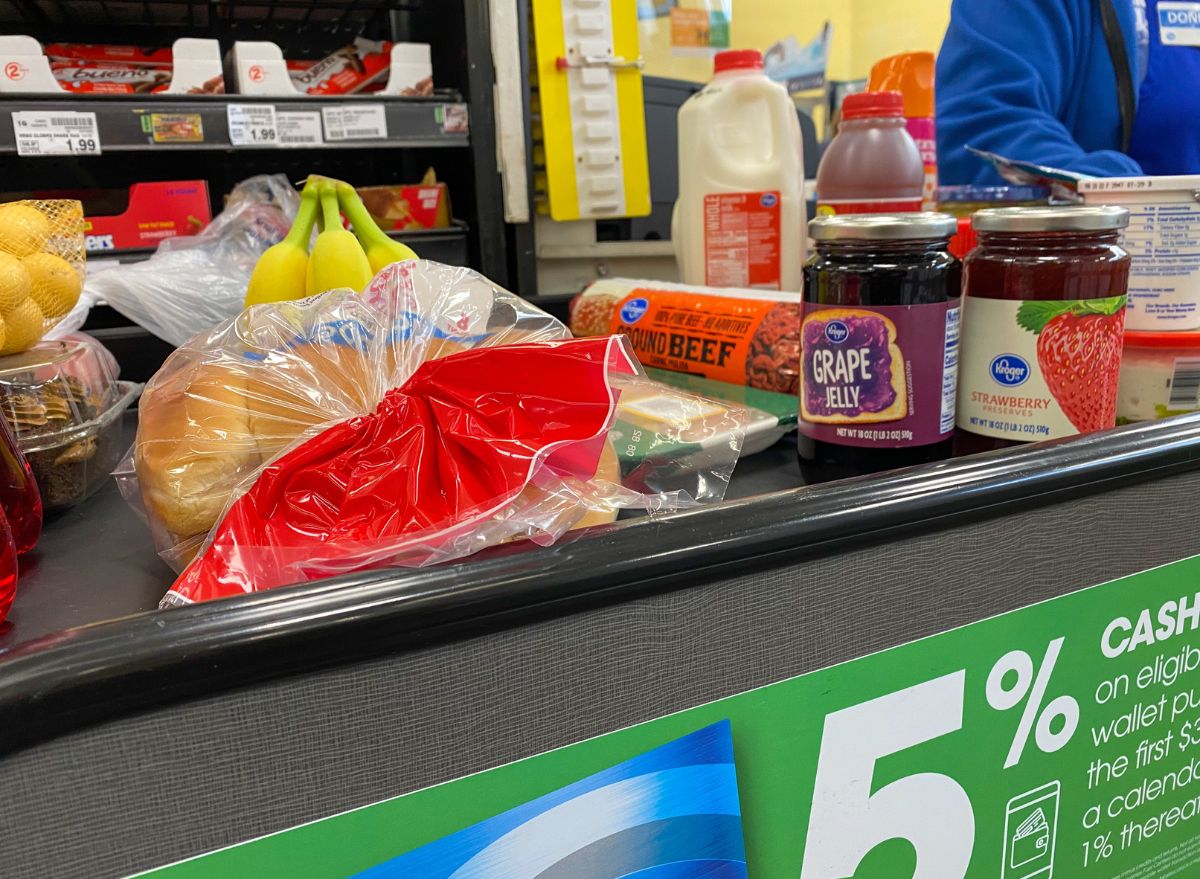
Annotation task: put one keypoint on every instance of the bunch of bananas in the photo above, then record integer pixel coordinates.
(339, 258)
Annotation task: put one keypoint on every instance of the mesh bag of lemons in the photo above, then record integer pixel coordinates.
(42, 265)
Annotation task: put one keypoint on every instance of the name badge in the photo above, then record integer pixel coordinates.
(1179, 24)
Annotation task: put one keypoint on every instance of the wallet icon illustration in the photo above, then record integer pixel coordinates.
(1031, 841)
(1030, 824)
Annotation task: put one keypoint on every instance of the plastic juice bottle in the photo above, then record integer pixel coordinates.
(912, 74)
(873, 165)
(19, 496)
(740, 218)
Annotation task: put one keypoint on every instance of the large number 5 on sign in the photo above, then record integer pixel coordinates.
(930, 810)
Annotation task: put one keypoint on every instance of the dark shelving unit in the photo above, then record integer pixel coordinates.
(422, 132)
(124, 122)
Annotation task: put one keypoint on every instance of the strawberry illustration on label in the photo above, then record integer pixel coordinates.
(1079, 353)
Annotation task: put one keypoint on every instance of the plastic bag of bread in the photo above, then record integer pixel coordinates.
(430, 417)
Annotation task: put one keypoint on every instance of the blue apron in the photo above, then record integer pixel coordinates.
(1166, 133)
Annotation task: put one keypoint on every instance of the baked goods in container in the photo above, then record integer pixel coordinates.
(64, 402)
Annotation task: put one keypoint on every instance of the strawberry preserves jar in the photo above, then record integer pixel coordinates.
(878, 344)
(1043, 319)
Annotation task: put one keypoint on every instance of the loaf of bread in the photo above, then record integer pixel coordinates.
(209, 424)
(193, 445)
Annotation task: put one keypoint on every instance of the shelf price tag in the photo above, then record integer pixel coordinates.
(56, 133)
(299, 128)
(253, 125)
(355, 122)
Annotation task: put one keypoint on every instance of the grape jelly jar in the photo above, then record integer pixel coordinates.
(1043, 322)
(879, 344)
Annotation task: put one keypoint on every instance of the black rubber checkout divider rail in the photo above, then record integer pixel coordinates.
(63, 682)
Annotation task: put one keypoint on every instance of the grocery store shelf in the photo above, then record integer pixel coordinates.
(326, 14)
(447, 246)
(160, 124)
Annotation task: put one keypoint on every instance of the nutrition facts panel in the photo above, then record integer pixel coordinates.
(1164, 285)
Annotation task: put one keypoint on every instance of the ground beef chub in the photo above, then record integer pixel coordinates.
(773, 361)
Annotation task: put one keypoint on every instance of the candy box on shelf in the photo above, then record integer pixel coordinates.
(154, 211)
(424, 205)
(190, 66)
(63, 401)
(402, 69)
(137, 217)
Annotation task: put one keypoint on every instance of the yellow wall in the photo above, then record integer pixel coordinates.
(886, 27)
(863, 32)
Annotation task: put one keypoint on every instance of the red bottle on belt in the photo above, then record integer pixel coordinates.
(21, 507)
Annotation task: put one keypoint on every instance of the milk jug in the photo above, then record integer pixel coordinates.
(740, 218)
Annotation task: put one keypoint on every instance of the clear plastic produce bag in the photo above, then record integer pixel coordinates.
(194, 282)
(42, 266)
(430, 417)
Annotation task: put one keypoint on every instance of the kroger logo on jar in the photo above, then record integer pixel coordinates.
(836, 332)
(634, 310)
(1010, 370)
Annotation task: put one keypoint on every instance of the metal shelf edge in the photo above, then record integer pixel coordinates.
(126, 125)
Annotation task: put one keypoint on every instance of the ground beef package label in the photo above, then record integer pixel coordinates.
(744, 337)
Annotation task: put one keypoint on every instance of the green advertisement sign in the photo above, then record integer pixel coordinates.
(1062, 740)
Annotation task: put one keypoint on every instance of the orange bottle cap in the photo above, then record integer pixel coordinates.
(911, 74)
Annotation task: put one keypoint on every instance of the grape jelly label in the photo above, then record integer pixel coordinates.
(884, 377)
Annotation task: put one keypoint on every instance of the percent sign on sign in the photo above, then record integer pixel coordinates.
(851, 814)
(1033, 691)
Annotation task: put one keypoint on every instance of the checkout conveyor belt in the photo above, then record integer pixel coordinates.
(151, 738)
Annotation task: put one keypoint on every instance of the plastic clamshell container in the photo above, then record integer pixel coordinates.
(659, 418)
(1164, 240)
(63, 399)
(1160, 376)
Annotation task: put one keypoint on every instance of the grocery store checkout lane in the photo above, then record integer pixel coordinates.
(1109, 88)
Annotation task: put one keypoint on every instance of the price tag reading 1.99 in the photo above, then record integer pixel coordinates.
(253, 125)
(56, 133)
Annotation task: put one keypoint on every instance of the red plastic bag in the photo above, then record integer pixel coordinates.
(442, 455)
(307, 439)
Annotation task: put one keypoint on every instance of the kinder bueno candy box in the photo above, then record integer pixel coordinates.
(360, 66)
(103, 77)
(95, 52)
(93, 68)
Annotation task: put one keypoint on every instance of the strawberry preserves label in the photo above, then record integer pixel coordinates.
(881, 377)
(742, 240)
(1041, 369)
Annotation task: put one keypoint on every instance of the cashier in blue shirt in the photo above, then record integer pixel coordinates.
(1109, 88)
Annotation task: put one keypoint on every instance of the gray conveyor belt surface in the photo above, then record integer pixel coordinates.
(97, 561)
